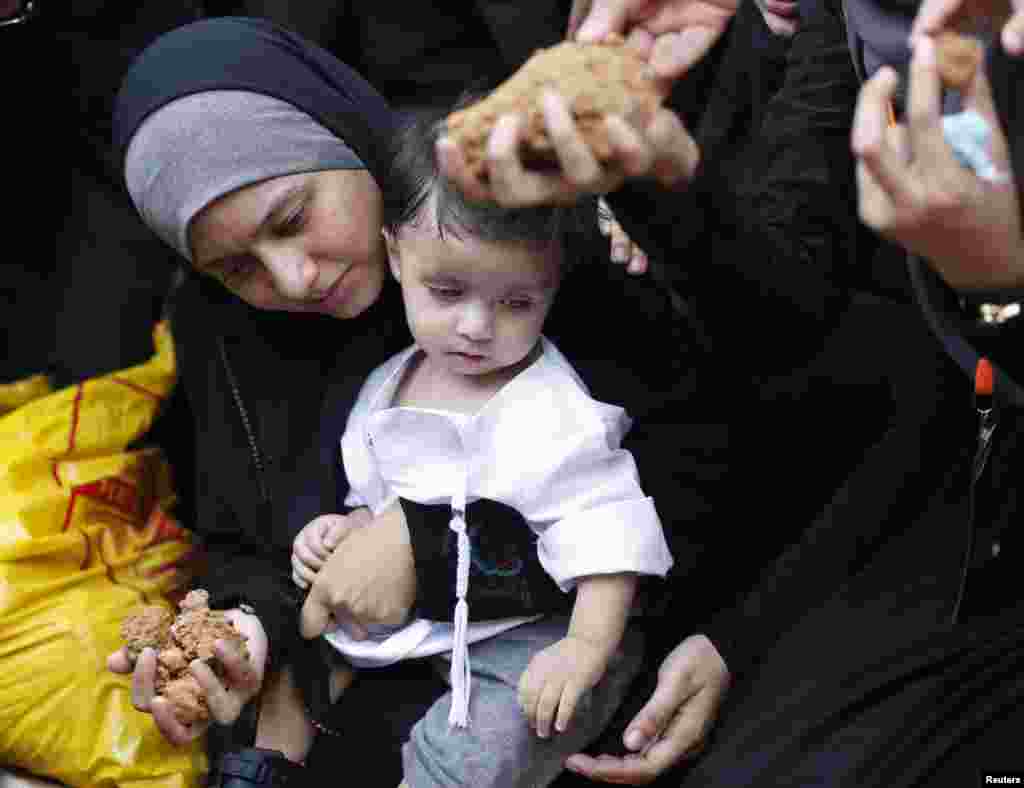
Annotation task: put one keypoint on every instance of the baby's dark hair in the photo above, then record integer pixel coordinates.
(415, 178)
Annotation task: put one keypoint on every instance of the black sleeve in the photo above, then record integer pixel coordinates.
(506, 579)
(229, 579)
(771, 228)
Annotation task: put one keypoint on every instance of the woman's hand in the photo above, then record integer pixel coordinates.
(936, 15)
(663, 150)
(692, 683)
(672, 34)
(370, 578)
(624, 251)
(913, 190)
(244, 677)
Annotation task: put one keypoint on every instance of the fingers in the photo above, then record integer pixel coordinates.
(315, 614)
(144, 680)
(676, 153)
(453, 165)
(170, 727)
(302, 575)
(303, 553)
(579, 11)
(870, 139)
(1013, 31)
(567, 705)
(932, 16)
(605, 16)
(682, 737)
(225, 705)
(118, 662)
(239, 671)
(674, 690)
(924, 107)
(631, 151)
(631, 770)
(355, 630)
(511, 184)
(676, 53)
(574, 155)
(547, 705)
(665, 150)
(622, 246)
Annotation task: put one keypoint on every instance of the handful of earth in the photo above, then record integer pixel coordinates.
(178, 641)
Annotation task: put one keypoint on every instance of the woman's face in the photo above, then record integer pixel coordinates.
(301, 243)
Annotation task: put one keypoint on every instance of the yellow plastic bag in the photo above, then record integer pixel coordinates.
(84, 540)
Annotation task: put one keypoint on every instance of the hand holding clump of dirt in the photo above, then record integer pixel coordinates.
(595, 80)
(178, 642)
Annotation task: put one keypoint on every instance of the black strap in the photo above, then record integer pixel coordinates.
(256, 766)
(931, 296)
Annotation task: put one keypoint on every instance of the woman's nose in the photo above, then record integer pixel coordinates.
(293, 273)
(476, 322)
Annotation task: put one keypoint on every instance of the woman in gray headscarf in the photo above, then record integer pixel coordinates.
(262, 160)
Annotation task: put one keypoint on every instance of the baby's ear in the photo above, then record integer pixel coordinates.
(394, 258)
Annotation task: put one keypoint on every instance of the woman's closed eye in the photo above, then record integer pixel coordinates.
(293, 221)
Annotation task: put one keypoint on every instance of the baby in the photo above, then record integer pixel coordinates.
(484, 406)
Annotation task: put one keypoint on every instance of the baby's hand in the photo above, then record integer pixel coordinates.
(314, 543)
(555, 680)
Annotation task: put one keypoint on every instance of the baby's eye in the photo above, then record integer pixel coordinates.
(446, 293)
(518, 303)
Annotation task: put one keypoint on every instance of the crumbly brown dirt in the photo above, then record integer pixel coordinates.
(179, 641)
(596, 80)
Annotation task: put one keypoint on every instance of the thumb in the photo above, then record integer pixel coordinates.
(656, 714)
(606, 16)
(315, 614)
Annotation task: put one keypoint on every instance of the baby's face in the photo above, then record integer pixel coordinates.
(474, 307)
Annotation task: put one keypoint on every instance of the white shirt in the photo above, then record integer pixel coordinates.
(541, 445)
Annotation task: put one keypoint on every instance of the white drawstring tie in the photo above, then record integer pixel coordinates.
(458, 715)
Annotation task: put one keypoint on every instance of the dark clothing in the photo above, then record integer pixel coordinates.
(884, 646)
(766, 235)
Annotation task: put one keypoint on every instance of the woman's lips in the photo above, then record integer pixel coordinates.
(334, 296)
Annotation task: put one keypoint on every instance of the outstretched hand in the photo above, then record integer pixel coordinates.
(936, 15)
(664, 149)
(914, 191)
(672, 34)
(675, 722)
(243, 680)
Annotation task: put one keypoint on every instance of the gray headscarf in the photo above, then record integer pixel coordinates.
(203, 146)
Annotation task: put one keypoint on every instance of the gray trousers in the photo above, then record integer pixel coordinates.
(498, 748)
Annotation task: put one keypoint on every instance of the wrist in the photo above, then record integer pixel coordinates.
(600, 644)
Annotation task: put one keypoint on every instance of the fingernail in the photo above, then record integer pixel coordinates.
(635, 739)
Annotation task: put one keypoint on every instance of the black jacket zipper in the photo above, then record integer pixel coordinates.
(987, 423)
(257, 456)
